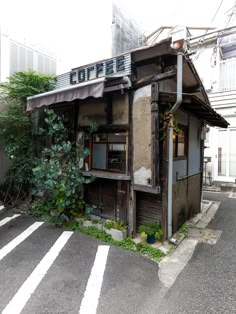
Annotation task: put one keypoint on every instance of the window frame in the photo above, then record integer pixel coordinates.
(184, 129)
(107, 143)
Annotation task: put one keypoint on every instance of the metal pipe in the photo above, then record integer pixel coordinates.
(170, 138)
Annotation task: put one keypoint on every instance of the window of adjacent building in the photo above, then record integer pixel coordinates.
(222, 152)
(180, 143)
(109, 151)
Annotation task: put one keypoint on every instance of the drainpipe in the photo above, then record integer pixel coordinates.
(170, 138)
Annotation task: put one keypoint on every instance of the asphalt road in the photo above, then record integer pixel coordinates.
(129, 283)
(127, 280)
(208, 282)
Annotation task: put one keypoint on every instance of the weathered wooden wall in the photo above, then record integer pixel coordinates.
(96, 110)
(111, 194)
(186, 200)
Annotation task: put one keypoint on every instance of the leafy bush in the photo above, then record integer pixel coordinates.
(58, 175)
(16, 125)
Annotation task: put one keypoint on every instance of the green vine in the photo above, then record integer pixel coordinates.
(58, 175)
(168, 120)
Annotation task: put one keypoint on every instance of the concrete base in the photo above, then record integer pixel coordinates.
(116, 234)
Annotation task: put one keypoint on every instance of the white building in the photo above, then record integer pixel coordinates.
(213, 52)
(215, 60)
(17, 56)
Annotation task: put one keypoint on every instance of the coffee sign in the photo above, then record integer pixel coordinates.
(117, 65)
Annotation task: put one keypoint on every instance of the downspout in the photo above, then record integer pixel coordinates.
(170, 138)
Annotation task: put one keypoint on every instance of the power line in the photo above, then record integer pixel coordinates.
(217, 11)
(208, 28)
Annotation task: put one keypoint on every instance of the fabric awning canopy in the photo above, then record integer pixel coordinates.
(93, 88)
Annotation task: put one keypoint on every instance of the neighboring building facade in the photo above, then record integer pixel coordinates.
(126, 33)
(16, 56)
(129, 151)
(215, 59)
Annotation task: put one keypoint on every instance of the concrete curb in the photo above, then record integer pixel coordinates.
(171, 266)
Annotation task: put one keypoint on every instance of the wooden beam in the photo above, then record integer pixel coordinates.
(109, 113)
(155, 134)
(148, 189)
(154, 78)
(192, 89)
(160, 49)
(106, 175)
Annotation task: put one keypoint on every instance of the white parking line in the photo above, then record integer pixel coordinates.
(7, 219)
(92, 293)
(26, 290)
(10, 246)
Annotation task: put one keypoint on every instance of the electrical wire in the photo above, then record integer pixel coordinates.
(217, 11)
(218, 8)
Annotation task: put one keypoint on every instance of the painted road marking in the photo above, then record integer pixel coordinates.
(6, 220)
(20, 299)
(11, 245)
(92, 293)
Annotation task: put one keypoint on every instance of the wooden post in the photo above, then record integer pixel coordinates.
(109, 113)
(131, 214)
(155, 135)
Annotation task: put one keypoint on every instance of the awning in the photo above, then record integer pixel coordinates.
(93, 88)
(205, 112)
(197, 107)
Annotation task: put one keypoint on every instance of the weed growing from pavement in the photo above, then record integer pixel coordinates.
(184, 229)
(128, 243)
(145, 249)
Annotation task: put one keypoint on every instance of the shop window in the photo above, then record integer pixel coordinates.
(180, 143)
(109, 151)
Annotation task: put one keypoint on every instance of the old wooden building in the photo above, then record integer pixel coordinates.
(147, 154)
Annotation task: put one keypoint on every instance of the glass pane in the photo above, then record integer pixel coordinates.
(232, 153)
(181, 146)
(180, 149)
(117, 138)
(102, 137)
(174, 145)
(117, 157)
(99, 156)
(222, 140)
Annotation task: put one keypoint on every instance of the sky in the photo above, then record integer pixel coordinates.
(76, 32)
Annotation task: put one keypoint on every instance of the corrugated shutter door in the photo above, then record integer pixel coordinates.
(148, 208)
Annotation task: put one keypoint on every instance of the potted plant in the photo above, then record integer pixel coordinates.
(151, 232)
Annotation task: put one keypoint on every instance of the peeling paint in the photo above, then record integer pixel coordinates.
(142, 176)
